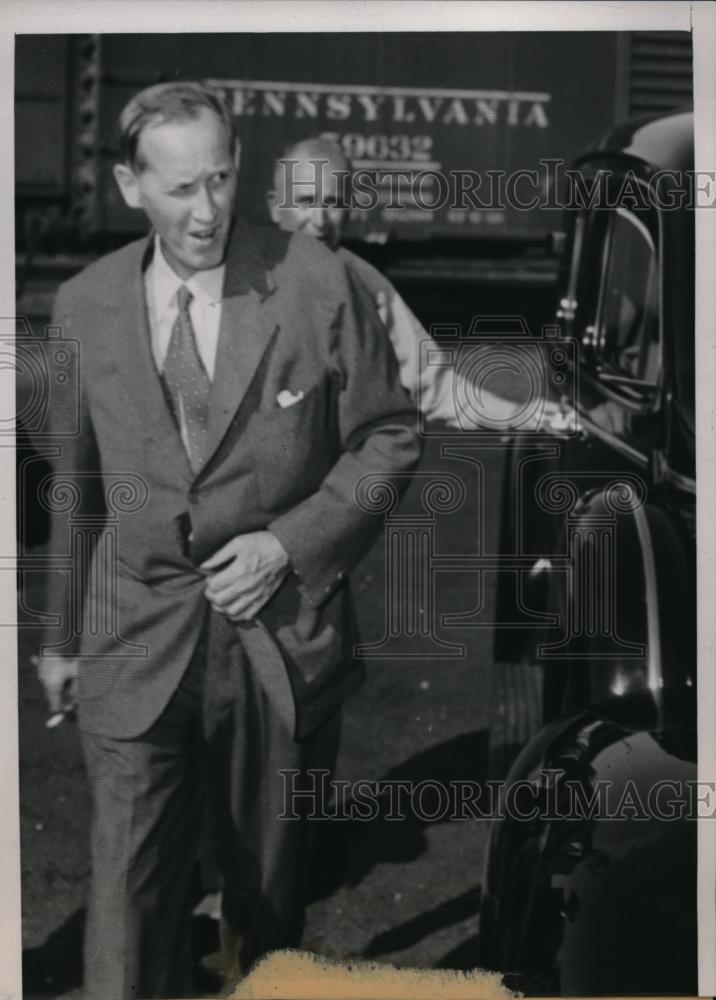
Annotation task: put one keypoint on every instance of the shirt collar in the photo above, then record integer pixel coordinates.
(206, 285)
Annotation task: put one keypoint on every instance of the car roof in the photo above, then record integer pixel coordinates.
(665, 142)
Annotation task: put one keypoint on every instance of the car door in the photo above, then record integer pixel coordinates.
(609, 311)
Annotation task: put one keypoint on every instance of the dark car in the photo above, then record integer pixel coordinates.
(590, 882)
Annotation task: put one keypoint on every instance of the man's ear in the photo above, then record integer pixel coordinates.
(272, 202)
(127, 182)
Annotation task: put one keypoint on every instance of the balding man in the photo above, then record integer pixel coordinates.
(309, 195)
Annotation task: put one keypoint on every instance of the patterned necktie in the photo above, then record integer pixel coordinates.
(187, 382)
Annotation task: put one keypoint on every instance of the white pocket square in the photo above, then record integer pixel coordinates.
(286, 398)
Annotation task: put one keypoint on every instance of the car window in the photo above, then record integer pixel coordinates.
(617, 323)
(627, 324)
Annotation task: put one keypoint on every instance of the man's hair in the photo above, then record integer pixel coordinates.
(167, 102)
(314, 148)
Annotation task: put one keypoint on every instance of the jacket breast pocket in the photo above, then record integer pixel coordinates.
(293, 448)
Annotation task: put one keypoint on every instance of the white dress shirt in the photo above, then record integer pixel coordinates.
(438, 390)
(161, 285)
(431, 388)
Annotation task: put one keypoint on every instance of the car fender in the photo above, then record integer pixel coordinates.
(627, 611)
(596, 891)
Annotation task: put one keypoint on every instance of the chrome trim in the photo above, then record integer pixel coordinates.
(655, 672)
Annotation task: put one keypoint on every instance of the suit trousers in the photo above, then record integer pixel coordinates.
(216, 746)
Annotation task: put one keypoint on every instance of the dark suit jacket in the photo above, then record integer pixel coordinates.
(292, 319)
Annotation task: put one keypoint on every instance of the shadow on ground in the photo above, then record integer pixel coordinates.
(446, 914)
(55, 966)
(350, 849)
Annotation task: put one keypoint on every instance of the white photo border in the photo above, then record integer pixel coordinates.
(82, 16)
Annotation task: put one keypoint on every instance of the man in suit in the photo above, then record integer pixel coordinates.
(234, 380)
(311, 194)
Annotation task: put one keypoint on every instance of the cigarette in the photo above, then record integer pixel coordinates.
(57, 718)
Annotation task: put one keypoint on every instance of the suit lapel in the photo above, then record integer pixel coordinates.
(248, 323)
(129, 339)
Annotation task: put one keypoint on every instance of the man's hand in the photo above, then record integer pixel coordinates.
(58, 676)
(244, 574)
(554, 418)
(558, 417)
